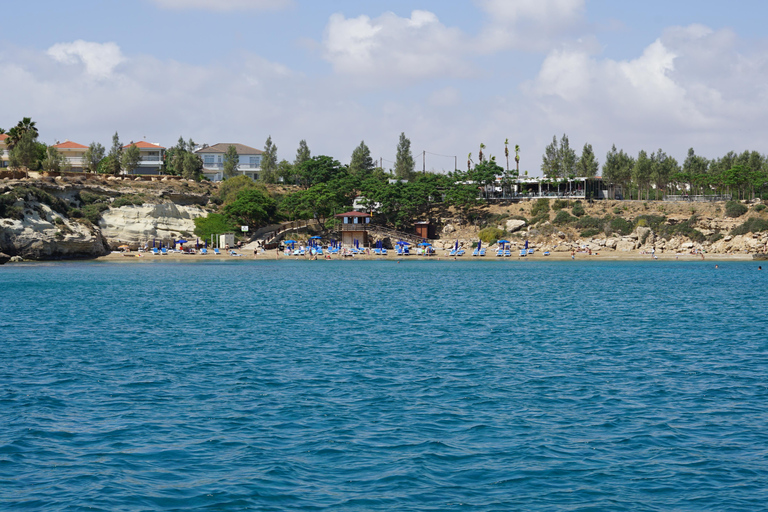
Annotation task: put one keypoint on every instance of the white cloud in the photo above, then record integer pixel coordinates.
(529, 24)
(225, 5)
(393, 50)
(100, 59)
(691, 87)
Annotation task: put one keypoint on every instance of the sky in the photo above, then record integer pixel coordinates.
(449, 74)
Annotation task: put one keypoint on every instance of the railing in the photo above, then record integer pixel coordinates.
(74, 160)
(150, 158)
(354, 227)
(697, 198)
(240, 167)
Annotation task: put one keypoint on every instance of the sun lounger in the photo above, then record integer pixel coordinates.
(522, 252)
(155, 251)
(499, 253)
(203, 251)
(507, 253)
(216, 251)
(476, 252)
(377, 251)
(482, 251)
(164, 251)
(460, 252)
(530, 251)
(546, 253)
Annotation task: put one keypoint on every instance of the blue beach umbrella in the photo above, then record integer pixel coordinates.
(526, 244)
(479, 244)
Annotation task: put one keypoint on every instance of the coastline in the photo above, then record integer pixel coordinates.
(391, 256)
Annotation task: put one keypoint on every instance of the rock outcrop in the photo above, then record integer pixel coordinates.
(137, 224)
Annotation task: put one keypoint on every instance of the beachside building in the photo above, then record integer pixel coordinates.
(354, 226)
(73, 153)
(3, 151)
(151, 157)
(213, 160)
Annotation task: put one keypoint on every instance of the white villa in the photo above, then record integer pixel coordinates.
(73, 154)
(151, 157)
(213, 160)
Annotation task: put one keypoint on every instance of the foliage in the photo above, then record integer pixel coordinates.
(269, 161)
(127, 200)
(319, 169)
(559, 161)
(231, 161)
(90, 197)
(618, 225)
(751, 225)
(53, 161)
(302, 153)
(539, 207)
(92, 212)
(735, 209)
(228, 189)
(25, 153)
(652, 221)
(112, 166)
(617, 168)
(93, 157)
(213, 224)
(563, 218)
(490, 235)
(252, 207)
(685, 229)
(587, 166)
(758, 207)
(181, 160)
(590, 232)
(361, 161)
(130, 159)
(578, 209)
(588, 222)
(404, 160)
(559, 204)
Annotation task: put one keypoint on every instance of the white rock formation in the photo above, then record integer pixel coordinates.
(135, 224)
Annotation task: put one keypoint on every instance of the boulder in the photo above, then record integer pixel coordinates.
(610, 243)
(515, 225)
(449, 228)
(625, 245)
(4, 258)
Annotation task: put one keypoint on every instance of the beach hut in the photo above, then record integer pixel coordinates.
(425, 229)
(354, 226)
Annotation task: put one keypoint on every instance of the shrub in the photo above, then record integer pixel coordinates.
(544, 217)
(751, 225)
(539, 207)
(735, 209)
(619, 225)
(651, 221)
(563, 218)
(489, 235)
(127, 200)
(758, 207)
(92, 212)
(559, 204)
(589, 233)
(683, 229)
(578, 209)
(588, 222)
(90, 198)
(616, 210)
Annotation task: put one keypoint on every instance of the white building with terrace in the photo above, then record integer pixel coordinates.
(249, 162)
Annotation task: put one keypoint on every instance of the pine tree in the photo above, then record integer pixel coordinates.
(404, 159)
(361, 161)
(269, 161)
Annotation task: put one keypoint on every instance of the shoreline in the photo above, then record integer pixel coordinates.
(555, 256)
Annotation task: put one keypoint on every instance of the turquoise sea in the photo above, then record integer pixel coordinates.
(375, 385)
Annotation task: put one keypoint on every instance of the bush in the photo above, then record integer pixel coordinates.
(563, 218)
(751, 225)
(90, 198)
(620, 226)
(127, 200)
(683, 229)
(589, 233)
(578, 209)
(735, 209)
(540, 207)
(588, 222)
(544, 217)
(758, 207)
(92, 212)
(491, 234)
(651, 221)
(559, 204)
(616, 210)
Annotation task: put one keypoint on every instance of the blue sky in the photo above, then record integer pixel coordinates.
(451, 75)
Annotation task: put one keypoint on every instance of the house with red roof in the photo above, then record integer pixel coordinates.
(73, 153)
(3, 150)
(151, 157)
(249, 160)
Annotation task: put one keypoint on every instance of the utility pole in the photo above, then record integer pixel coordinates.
(424, 162)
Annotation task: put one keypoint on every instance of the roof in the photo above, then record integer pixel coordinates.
(142, 144)
(68, 144)
(353, 214)
(222, 147)
(3, 136)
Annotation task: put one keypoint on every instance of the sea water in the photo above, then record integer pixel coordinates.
(376, 385)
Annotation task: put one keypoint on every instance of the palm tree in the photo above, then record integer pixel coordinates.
(480, 154)
(469, 162)
(517, 159)
(22, 127)
(506, 151)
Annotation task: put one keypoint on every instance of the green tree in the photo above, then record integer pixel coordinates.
(192, 167)
(694, 170)
(517, 160)
(213, 224)
(16, 132)
(231, 161)
(93, 157)
(404, 160)
(567, 158)
(53, 161)
(550, 161)
(302, 154)
(286, 171)
(318, 169)
(269, 161)
(361, 162)
(587, 166)
(25, 154)
(641, 173)
(617, 169)
(253, 207)
(130, 159)
(115, 155)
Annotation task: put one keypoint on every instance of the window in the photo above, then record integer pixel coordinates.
(208, 159)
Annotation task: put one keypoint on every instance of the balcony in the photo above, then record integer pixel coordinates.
(354, 227)
(150, 158)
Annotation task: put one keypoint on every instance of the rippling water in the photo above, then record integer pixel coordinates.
(383, 386)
